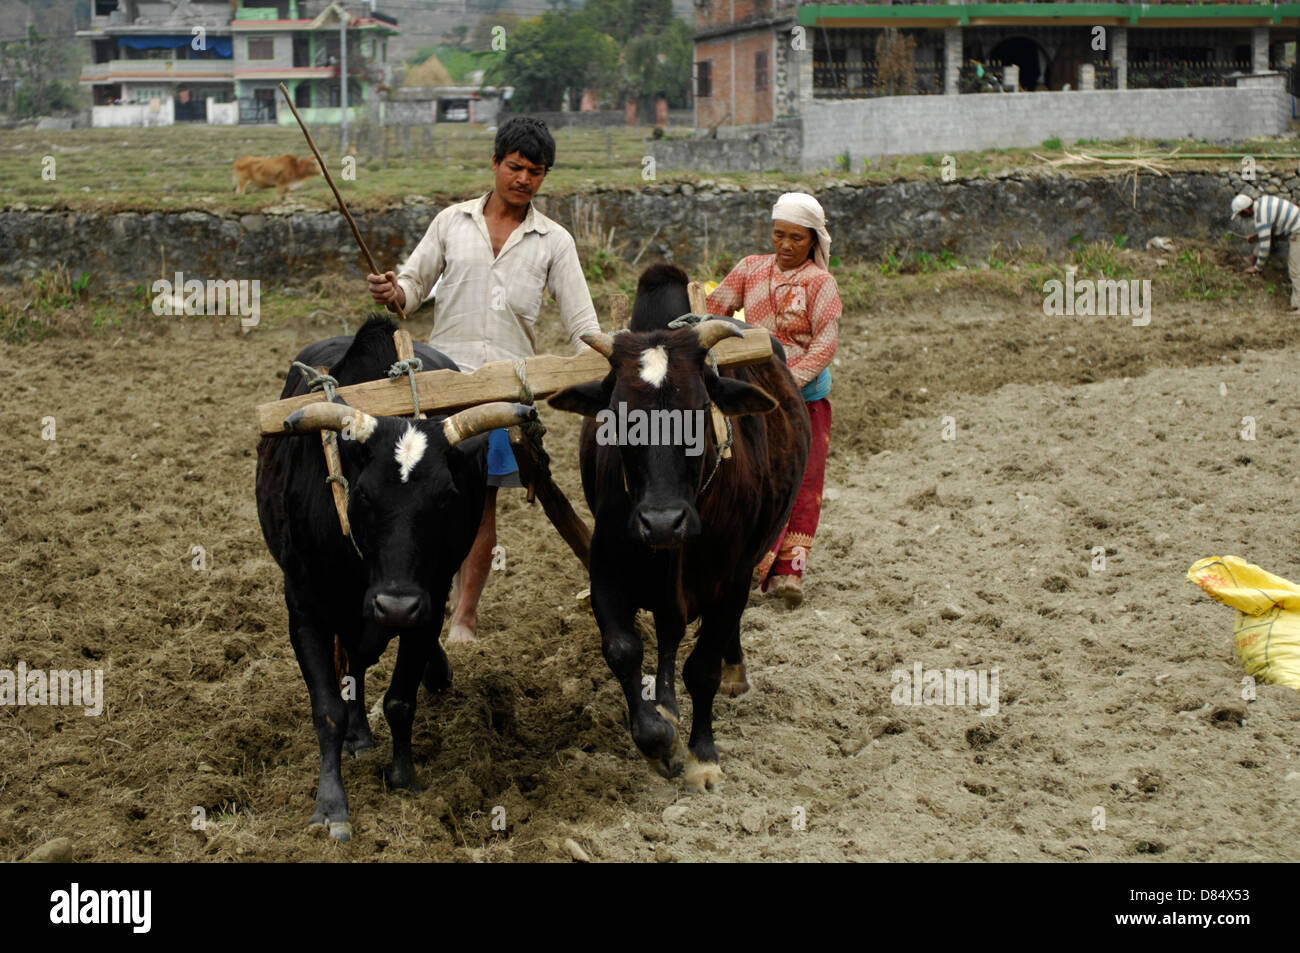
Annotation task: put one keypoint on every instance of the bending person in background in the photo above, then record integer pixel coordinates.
(793, 296)
(1274, 218)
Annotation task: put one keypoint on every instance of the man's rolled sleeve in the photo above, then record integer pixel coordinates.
(420, 272)
(569, 289)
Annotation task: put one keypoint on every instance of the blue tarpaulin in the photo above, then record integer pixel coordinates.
(219, 45)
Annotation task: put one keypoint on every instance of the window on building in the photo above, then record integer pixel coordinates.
(760, 70)
(302, 95)
(704, 79)
(261, 48)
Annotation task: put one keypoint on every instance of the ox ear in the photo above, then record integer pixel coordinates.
(586, 399)
(735, 398)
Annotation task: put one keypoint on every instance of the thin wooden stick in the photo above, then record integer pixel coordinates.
(374, 269)
(573, 530)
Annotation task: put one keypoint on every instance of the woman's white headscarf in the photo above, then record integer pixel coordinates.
(804, 210)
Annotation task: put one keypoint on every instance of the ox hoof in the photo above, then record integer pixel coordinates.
(401, 780)
(734, 681)
(661, 742)
(360, 742)
(702, 775)
(340, 831)
(437, 674)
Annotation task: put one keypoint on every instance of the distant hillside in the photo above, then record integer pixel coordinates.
(51, 17)
(424, 22)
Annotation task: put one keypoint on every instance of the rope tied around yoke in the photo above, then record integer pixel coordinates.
(329, 385)
(689, 321)
(318, 381)
(411, 366)
(533, 430)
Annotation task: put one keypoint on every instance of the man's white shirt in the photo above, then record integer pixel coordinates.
(486, 307)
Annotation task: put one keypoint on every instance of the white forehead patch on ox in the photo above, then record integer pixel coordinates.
(410, 450)
(654, 365)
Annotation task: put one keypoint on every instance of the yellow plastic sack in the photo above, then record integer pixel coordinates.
(708, 288)
(1267, 630)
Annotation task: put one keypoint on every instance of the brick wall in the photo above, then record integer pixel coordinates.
(714, 108)
(902, 125)
(713, 14)
(736, 97)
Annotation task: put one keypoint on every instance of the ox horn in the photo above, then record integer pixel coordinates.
(711, 332)
(485, 417)
(323, 415)
(599, 341)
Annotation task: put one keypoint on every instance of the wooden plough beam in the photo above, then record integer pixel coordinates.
(448, 391)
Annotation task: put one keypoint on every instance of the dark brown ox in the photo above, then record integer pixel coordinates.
(680, 534)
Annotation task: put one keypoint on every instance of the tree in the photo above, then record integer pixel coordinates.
(659, 64)
(552, 53)
(35, 65)
(624, 19)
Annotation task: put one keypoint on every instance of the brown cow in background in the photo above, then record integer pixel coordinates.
(284, 172)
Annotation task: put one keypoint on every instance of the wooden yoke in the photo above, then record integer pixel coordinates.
(447, 391)
(695, 291)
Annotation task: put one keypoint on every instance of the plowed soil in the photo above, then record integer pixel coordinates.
(1121, 729)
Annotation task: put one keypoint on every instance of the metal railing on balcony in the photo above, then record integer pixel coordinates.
(861, 79)
(1173, 74)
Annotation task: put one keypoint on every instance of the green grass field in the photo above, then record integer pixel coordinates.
(188, 167)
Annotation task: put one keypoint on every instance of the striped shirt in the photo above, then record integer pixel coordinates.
(1274, 218)
(801, 307)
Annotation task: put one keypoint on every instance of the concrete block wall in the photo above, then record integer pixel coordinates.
(134, 115)
(904, 125)
(773, 146)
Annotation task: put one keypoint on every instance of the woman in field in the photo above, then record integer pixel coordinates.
(792, 295)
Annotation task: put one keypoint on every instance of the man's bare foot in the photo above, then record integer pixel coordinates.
(453, 596)
(460, 634)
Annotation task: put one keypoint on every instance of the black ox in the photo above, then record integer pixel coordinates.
(678, 534)
(416, 497)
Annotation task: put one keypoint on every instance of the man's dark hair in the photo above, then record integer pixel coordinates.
(527, 136)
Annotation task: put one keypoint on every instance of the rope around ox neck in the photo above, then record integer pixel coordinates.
(689, 321)
(324, 382)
